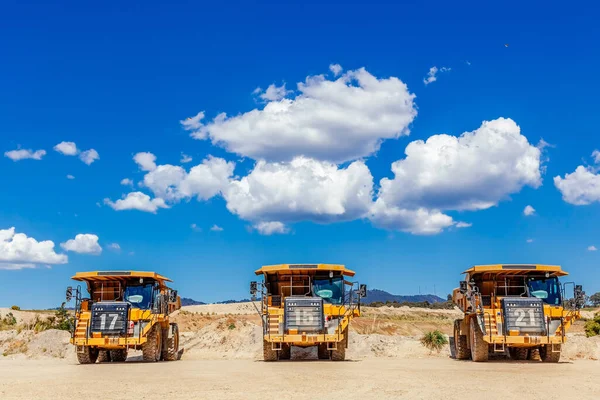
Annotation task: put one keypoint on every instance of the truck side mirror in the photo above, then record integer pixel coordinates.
(69, 294)
(463, 287)
(253, 288)
(362, 290)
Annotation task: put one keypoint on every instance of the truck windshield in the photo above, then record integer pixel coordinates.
(139, 296)
(547, 289)
(330, 289)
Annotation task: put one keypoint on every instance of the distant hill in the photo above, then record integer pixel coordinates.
(376, 295)
(185, 301)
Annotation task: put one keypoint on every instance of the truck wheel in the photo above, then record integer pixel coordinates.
(103, 356)
(323, 352)
(339, 354)
(286, 352)
(119, 355)
(151, 350)
(89, 355)
(479, 348)
(547, 355)
(518, 353)
(268, 353)
(171, 350)
(461, 349)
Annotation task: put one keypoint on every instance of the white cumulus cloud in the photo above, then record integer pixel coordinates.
(203, 181)
(18, 248)
(581, 187)
(70, 177)
(137, 201)
(336, 69)
(474, 171)
(273, 93)
(23, 154)
(67, 148)
(592, 248)
(83, 243)
(115, 247)
(126, 182)
(89, 156)
(185, 159)
(146, 161)
(330, 120)
(303, 189)
(271, 227)
(528, 211)
(216, 228)
(462, 224)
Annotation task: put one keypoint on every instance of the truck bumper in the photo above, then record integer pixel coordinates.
(304, 339)
(525, 341)
(108, 342)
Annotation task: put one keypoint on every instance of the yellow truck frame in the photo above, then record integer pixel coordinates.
(293, 315)
(503, 314)
(107, 324)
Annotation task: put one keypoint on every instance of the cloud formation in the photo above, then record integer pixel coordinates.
(83, 243)
(137, 201)
(328, 120)
(23, 154)
(18, 249)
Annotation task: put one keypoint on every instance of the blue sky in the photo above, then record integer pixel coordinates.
(292, 175)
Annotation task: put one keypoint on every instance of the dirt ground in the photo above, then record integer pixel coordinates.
(380, 378)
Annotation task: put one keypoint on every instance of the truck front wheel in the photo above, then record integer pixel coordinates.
(88, 356)
(479, 348)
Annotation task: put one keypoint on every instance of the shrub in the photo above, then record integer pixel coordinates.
(592, 326)
(434, 340)
(15, 308)
(231, 326)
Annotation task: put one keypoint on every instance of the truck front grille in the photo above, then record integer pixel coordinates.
(304, 314)
(110, 317)
(525, 315)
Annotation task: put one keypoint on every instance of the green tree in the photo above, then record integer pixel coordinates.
(595, 299)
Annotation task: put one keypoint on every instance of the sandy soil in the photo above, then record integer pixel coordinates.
(246, 379)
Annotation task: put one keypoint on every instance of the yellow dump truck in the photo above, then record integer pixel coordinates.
(521, 310)
(306, 305)
(124, 310)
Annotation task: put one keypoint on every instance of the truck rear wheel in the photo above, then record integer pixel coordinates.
(119, 355)
(339, 354)
(518, 353)
(547, 355)
(151, 350)
(171, 350)
(322, 351)
(268, 353)
(461, 349)
(479, 348)
(88, 356)
(286, 352)
(103, 356)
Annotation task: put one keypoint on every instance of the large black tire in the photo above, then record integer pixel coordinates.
(119, 355)
(286, 352)
(103, 356)
(322, 351)
(339, 354)
(152, 349)
(89, 356)
(461, 348)
(479, 348)
(547, 355)
(268, 353)
(170, 350)
(518, 353)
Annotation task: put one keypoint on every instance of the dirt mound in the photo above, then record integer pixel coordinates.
(29, 344)
(219, 309)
